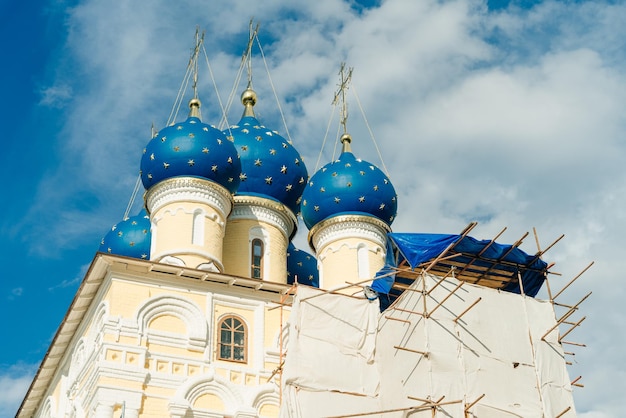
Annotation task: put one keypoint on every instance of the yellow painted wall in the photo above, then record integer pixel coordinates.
(124, 298)
(339, 262)
(174, 227)
(237, 242)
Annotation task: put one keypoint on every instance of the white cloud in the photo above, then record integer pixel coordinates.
(14, 383)
(56, 96)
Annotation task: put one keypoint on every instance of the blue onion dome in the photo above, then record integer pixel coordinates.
(191, 149)
(130, 238)
(348, 185)
(303, 266)
(270, 166)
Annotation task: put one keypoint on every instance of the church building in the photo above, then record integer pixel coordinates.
(201, 305)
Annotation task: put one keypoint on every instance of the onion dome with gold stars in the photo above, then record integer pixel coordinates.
(348, 185)
(270, 166)
(130, 238)
(191, 149)
(303, 266)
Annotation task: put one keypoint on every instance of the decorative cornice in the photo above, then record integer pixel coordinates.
(188, 189)
(265, 210)
(348, 226)
(174, 257)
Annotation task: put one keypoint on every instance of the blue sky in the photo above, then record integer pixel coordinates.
(509, 112)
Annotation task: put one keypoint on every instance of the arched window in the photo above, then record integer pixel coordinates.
(256, 271)
(232, 340)
(363, 263)
(197, 233)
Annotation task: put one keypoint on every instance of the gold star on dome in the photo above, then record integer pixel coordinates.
(362, 199)
(349, 184)
(133, 223)
(297, 161)
(299, 263)
(219, 141)
(144, 256)
(386, 181)
(243, 176)
(272, 151)
(259, 138)
(390, 218)
(214, 168)
(268, 180)
(310, 183)
(144, 150)
(334, 174)
(298, 200)
(244, 148)
(316, 208)
(268, 133)
(381, 207)
(231, 138)
(132, 243)
(149, 176)
(166, 166)
(283, 169)
(245, 131)
(192, 121)
(375, 187)
(322, 189)
(348, 165)
(372, 167)
(393, 199)
(191, 163)
(288, 187)
(257, 162)
(192, 135)
(304, 202)
(362, 172)
(176, 148)
(120, 233)
(324, 169)
(179, 127)
(163, 138)
(285, 145)
(205, 129)
(229, 160)
(145, 231)
(256, 127)
(337, 200)
(230, 179)
(109, 250)
(301, 180)
(310, 277)
(152, 157)
(205, 150)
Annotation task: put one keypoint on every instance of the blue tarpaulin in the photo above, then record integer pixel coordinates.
(478, 259)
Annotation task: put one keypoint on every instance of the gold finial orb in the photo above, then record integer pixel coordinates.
(248, 97)
(195, 102)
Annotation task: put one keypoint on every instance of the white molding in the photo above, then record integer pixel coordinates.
(265, 210)
(193, 388)
(346, 227)
(186, 310)
(188, 189)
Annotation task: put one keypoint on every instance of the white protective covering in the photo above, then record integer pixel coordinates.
(344, 357)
